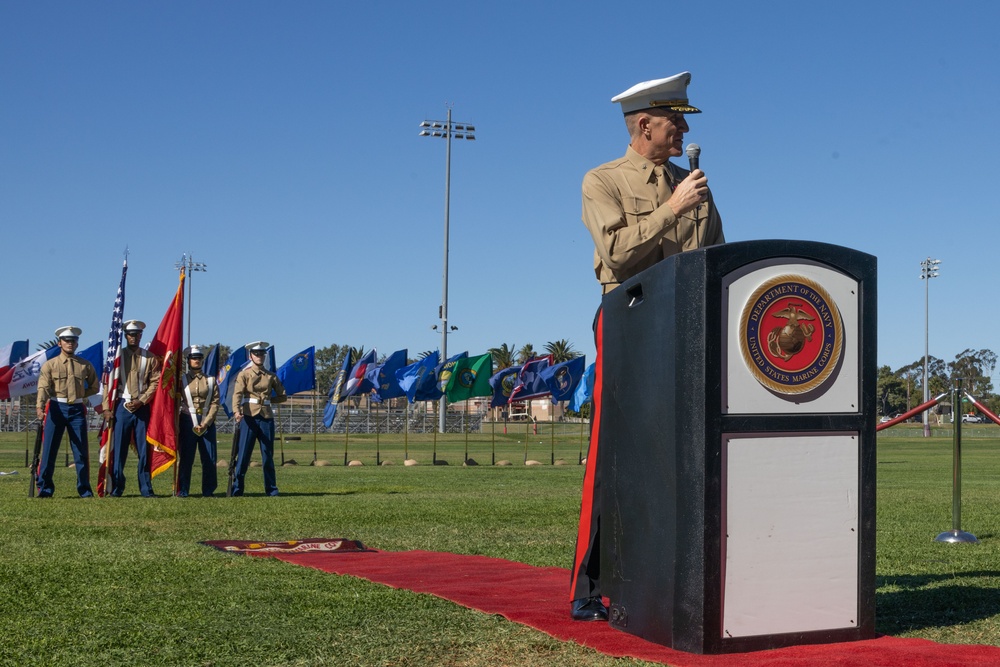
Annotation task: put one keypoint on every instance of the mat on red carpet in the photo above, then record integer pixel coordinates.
(311, 545)
(538, 597)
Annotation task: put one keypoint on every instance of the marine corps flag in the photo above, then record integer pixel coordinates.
(161, 434)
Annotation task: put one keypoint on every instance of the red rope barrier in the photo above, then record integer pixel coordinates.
(915, 411)
(982, 408)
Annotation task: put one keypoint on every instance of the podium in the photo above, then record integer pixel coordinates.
(738, 448)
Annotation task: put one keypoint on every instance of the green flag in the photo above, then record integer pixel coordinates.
(470, 377)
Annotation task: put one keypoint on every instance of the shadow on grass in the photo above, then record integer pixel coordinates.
(303, 494)
(930, 601)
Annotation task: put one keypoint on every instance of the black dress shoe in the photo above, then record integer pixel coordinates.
(588, 609)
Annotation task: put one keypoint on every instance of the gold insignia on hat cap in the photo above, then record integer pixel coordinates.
(68, 331)
(194, 351)
(669, 93)
(257, 345)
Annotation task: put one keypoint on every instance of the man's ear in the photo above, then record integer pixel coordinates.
(643, 124)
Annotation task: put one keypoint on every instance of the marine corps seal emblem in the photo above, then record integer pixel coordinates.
(791, 334)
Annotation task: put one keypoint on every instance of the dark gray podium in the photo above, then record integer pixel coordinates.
(738, 448)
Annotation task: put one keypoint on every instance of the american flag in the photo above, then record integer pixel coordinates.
(110, 377)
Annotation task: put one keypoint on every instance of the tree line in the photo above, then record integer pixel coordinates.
(902, 389)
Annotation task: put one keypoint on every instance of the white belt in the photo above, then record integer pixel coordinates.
(78, 401)
(126, 396)
(255, 401)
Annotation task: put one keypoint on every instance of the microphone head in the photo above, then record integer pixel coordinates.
(693, 151)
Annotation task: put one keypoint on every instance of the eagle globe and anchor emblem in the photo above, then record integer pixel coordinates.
(791, 334)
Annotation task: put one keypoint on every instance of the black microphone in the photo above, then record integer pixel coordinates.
(693, 151)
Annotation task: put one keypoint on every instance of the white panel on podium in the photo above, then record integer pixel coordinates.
(742, 392)
(790, 527)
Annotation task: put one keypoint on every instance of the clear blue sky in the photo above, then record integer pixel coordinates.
(278, 143)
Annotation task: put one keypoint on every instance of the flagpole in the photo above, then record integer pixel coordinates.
(579, 460)
(347, 432)
(465, 423)
(378, 428)
(176, 392)
(493, 448)
(177, 438)
(406, 431)
(281, 440)
(313, 425)
(527, 433)
(552, 427)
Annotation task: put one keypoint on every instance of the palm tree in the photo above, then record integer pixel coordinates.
(526, 352)
(48, 344)
(561, 350)
(503, 357)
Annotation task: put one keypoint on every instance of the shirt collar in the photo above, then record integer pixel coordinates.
(641, 164)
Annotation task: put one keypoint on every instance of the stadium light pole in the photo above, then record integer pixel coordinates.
(928, 269)
(187, 262)
(446, 129)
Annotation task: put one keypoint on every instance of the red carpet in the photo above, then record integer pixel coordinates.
(538, 597)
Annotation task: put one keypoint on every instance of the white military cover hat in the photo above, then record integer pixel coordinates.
(259, 345)
(62, 332)
(194, 351)
(669, 93)
(134, 325)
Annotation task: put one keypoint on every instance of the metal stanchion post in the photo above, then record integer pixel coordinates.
(956, 534)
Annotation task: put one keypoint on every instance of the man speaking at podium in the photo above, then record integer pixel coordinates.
(638, 209)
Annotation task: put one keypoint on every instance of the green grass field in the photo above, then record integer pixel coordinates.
(125, 582)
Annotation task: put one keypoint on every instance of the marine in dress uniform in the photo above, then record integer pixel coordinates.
(639, 209)
(198, 405)
(64, 383)
(256, 390)
(140, 375)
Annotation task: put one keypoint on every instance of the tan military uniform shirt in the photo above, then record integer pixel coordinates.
(252, 395)
(139, 381)
(66, 377)
(204, 398)
(632, 229)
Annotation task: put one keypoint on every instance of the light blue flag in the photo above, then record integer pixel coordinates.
(584, 390)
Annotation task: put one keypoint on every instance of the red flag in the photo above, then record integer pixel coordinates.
(161, 433)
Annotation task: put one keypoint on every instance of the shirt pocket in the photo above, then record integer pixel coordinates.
(60, 376)
(636, 208)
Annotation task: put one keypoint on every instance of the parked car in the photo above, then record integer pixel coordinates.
(972, 419)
